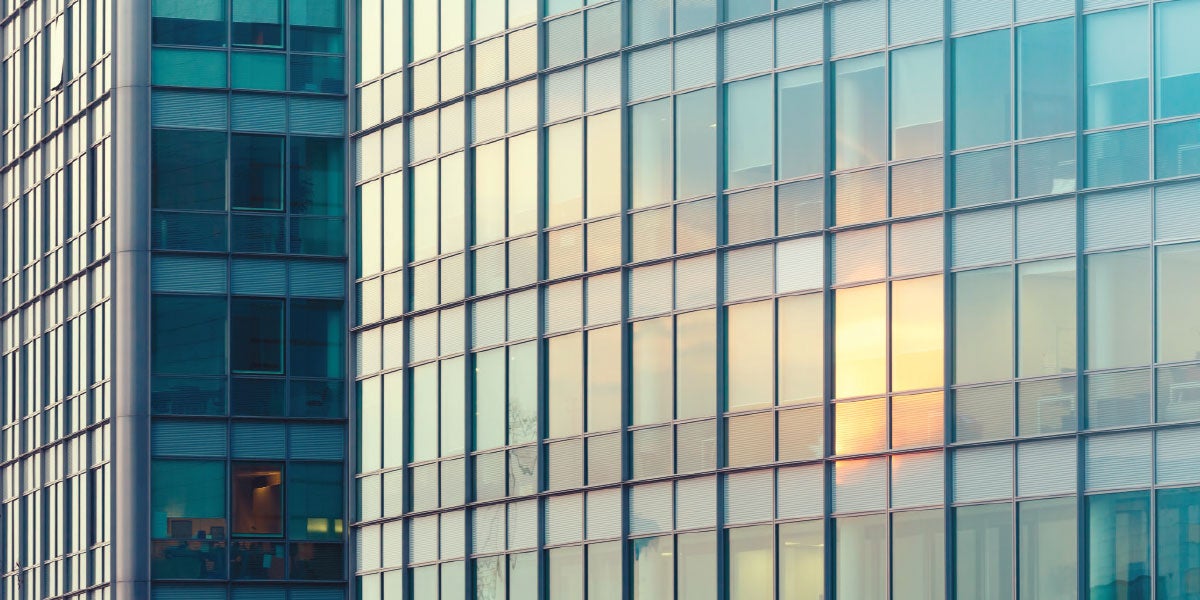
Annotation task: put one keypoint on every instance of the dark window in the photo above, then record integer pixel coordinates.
(315, 501)
(257, 335)
(316, 343)
(189, 22)
(256, 179)
(188, 169)
(257, 397)
(257, 560)
(316, 167)
(187, 335)
(258, 23)
(316, 561)
(322, 74)
(257, 498)
(316, 25)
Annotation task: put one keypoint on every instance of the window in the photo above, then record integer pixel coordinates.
(256, 178)
(751, 355)
(188, 335)
(1178, 286)
(188, 169)
(256, 327)
(318, 74)
(983, 331)
(801, 343)
(522, 393)
(653, 568)
(860, 133)
(1119, 545)
(695, 143)
(604, 379)
(257, 498)
(489, 192)
(1047, 549)
(652, 371)
(316, 338)
(651, 148)
(188, 22)
(1178, 550)
(750, 121)
(919, 555)
(489, 399)
(917, 101)
(983, 552)
(695, 364)
(604, 571)
(566, 572)
(1117, 67)
(1046, 330)
(862, 557)
(982, 104)
(801, 560)
(801, 122)
(604, 164)
(316, 25)
(1046, 78)
(1119, 310)
(258, 23)
(258, 70)
(696, 566)
(751, 562)
(565, 381)
(917, 338)
(317, 166)
(1177, 58)
(564, 181)
(314, 501)
(187, 499)
(861, 340)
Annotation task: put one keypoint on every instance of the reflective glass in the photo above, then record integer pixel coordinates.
(489, 192)
(860, 340)
(983, 552)
(652, 372)
(695, 143)
(1046, 78)
(604, 379)
(860, 127)
(1177, 58)
(801, 344)
(453, 203)
(604, 571)
(564, 191)
(801, 122)
(1047, 549)
(256, 330)
(490, 414)
(1178, 287)
(802, 561)
(749, 120)
(697, 563)
(860, 427)
(982, 102)
(424, 407)
(453, 403)
(188, 169)
(862, 550)
(258, 23)
(258, 71)
(490, 575)
(315, 344)
(256, 175)
(653, 570)
(522, 393)
(566, 573)
(1119, 309)
(188, 22)
(604, 164)
(917, 101)
(314, 501)
(1046, 330)
(983, 325)
(565, 384)
(187, 499)
(187, 335)
(316, 25)
(1119, 545)
(917, 333)
(317, 174)
(1117, 67)
(919, 555)
(751, 562)
(522, 183)
(651, 147)
(696, 363)
(751, 356)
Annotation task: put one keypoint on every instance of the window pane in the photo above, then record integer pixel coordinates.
(257, 498)
(801, 122)
(522, 576)
(188, 169)
(315, 501)
(187, 499)
(751, 357)
(801, 349)
(861, 127)
(919, 555)
(522, 393)
(604, 164)
(1175, 149)
(189, 22)
(316, 343)
(318, 74)
(256, 326)
(1119, 545)
(861, 340)
(983, 552)
(1178, 287)
(604, 571)
(566, 573)
(489, 399)
(1046, 78)
(258, 71)
(751, 562)
(1119, 311)
(604, 379)
(862, 558)
(746, 8)
(453, 403)
(802, 561)
(653, 572)
(489, 192)
(490, 573)
(188, 68)
(651, 164)
(917, 101)
(258, 23)
(564, 182)
(424, 419)
(317, 165)
(425, 211)
(565, 379)
(317, 25)
(256, 560)
(1047, 549)
(750, 121)
(696, 143)
(860, 426)
(1177, 58)
(1046, 330)
(1178, 549)
(652, 372)
(321, 562)
(697, 566)
(696, 359)
(256, 178)
(982, 105)
(983, 334)
(522, 183)
(1117, 67)
(917, 333)
(188, 335)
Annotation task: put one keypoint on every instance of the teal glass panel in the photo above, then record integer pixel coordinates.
(1177, 149)
(187, 396)
(860, 126)
(489, 399)
(317, 399)
(1120, 287)
(1177, 58)
(1177, 548)
(188, 22)
(1046, 328)
(1047, 549)
(1119, 156)
(183, 559)
(187, 499)
(257, 560)
(1117, 67)
(746, 8)
(1046, 78)
(257, 233)
(187, 335)
(258, 70)
(187, 169)
(1178, 287)
(317, 173)
(801, 122)
(653, 570)
(314, 501)
(919, 555)
(651, 147)
(749, 125)
(983, 325)
(256, 172)
(984, 552)
(522, 393)
(651, 21)
(319, 74)
(188, 68)
(1119, 546)
(695, 143)
(982, 102)
(917, 98)
(316, 25)
(317, 332)
(553, 7)
(862, 549)
(312, 235)
(751, 562)
(188, 231)
(258, 23)
(802, 560)
(257, 397)
(256, 330)
(694, 14)
(321, 562)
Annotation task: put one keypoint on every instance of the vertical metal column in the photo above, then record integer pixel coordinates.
(131, 301)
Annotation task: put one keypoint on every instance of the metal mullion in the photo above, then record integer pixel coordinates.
(540, 451)
(949, 552)
(1082, 541)
(468, 224)
(721, 312)
(828, 308)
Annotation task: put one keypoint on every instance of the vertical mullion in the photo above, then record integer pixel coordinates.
(948, 304)
(540, 428)
(720, 317)
(468, 483)
(626, 339)
(829, 310)
(1081, 314)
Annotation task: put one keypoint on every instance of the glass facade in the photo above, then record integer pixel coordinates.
(776, 299)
